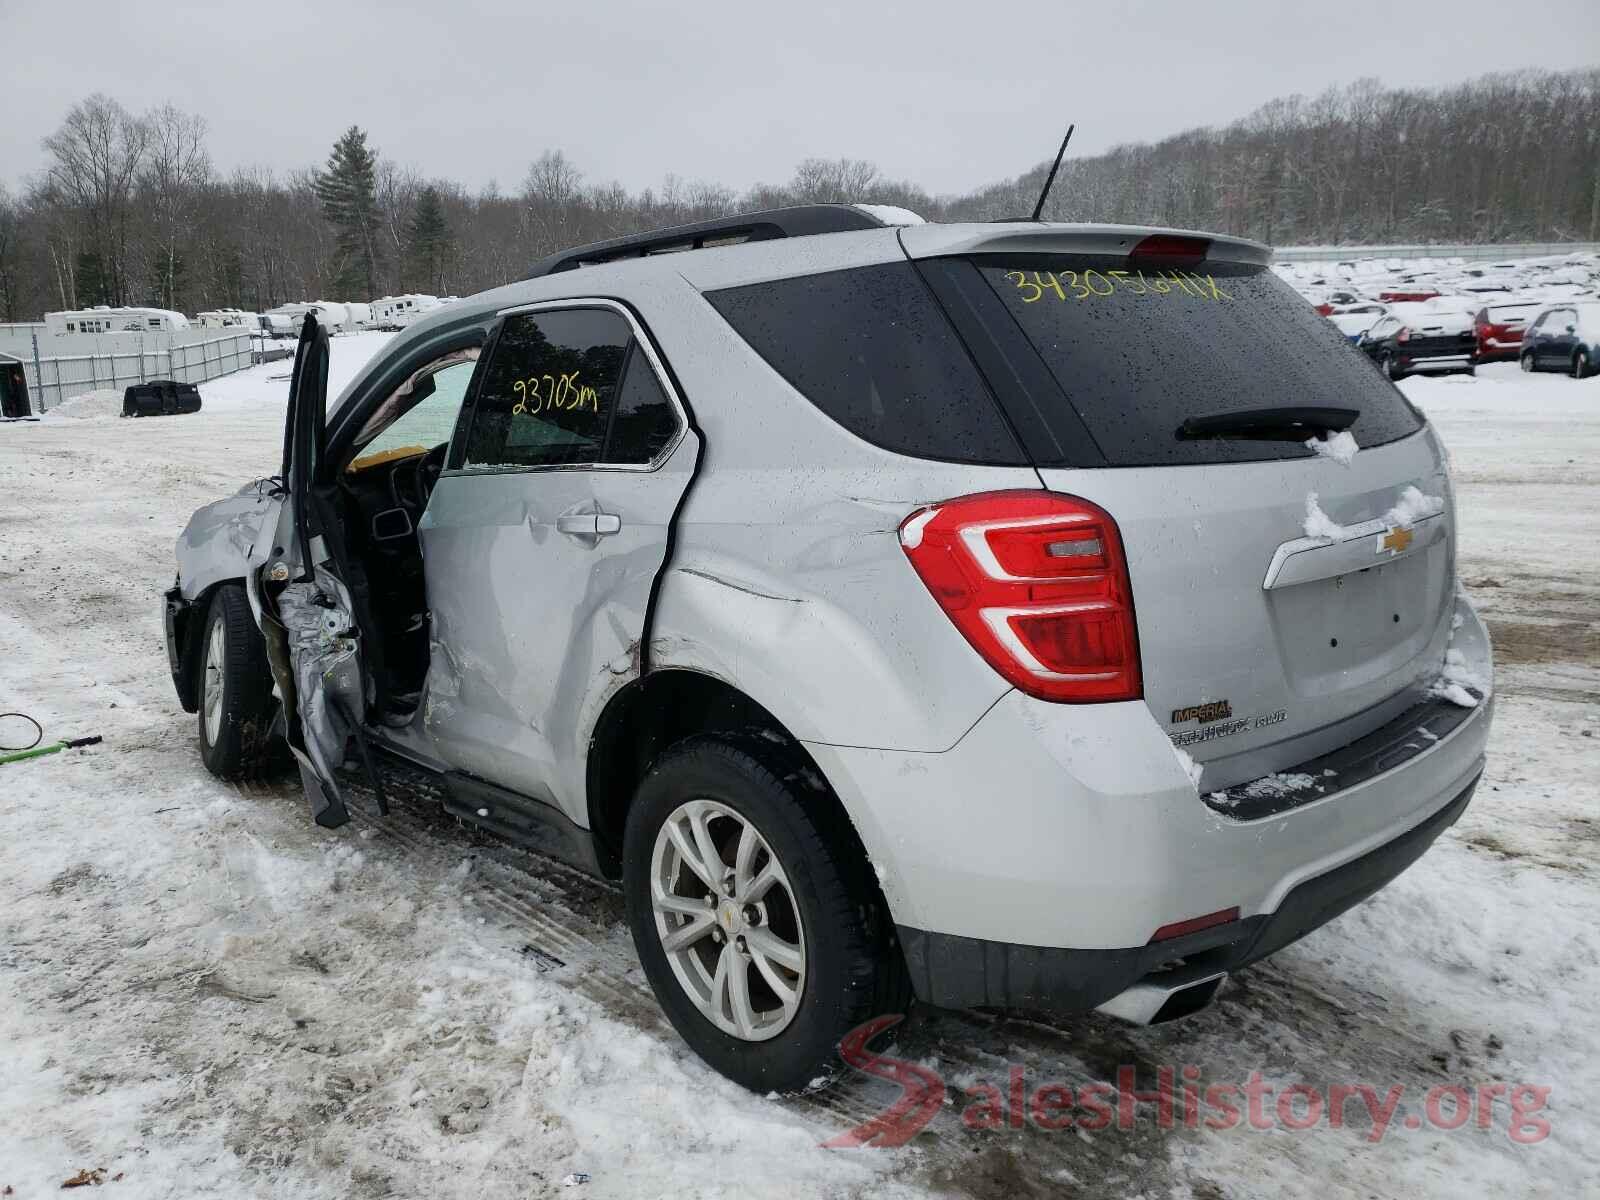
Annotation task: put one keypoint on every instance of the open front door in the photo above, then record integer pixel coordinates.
(322, 634)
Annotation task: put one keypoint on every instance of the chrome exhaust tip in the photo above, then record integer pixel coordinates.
(1150, 1002)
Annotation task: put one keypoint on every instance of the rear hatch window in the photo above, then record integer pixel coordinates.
(1137, 353)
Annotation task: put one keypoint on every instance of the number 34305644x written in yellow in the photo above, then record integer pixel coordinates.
(1085, 285)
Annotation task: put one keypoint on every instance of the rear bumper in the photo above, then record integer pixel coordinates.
(1034, 862)
(1435, 362)
(1494, 349)
(958, 972)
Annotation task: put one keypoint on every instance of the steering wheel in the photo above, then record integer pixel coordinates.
(411, 483)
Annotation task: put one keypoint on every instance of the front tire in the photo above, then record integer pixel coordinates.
(235, 687)
(1527, 363)
(761, 932)
(1580, 365)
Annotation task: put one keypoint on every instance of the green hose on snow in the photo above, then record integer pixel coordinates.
(19, 753)
(53, 748)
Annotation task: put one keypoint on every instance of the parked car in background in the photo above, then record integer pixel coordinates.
(1358, 320)
(1499, 327)
(1564, 337)
(1332, 302)
(1421, 339)
(1408, 295)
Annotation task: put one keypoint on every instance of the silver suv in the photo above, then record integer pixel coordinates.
(1018, 614)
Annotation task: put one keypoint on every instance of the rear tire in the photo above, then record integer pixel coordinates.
(234, 688)
(1390, 371)
(826, 907)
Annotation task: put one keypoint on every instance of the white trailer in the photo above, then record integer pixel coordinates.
(395, 312)
(114, 320)
(332, 317)
(227, 318)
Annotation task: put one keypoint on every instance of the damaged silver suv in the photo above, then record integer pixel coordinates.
(1021, 614)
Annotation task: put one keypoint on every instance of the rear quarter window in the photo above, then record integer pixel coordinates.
(1136, 353)
(870, 347)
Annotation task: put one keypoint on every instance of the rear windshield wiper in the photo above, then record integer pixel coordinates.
(1289, 423)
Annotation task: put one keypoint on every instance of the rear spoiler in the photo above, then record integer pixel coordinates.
(1006, 237)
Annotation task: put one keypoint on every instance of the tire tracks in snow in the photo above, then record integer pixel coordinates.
(535, 902)
(1288, 1017)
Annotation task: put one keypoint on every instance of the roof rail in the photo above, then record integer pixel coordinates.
(798, 221)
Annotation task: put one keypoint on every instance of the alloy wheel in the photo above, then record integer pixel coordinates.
(727, 919)
(212, 682)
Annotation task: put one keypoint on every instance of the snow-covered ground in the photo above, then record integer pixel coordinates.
(202, 993)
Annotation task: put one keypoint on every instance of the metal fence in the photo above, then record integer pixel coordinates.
(61, 367)
(1490, 252)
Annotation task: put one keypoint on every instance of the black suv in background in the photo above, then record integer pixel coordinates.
(1417, 338)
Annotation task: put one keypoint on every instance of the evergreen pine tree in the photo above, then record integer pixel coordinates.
(428, 241)
(92, 285)
(347, 191)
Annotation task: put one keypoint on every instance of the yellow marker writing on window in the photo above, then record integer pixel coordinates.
(1036, 285)
(541, 393)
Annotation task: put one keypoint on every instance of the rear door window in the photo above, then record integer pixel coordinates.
(1138, 352)
(549, 389)
(644, 421)
(871, 349)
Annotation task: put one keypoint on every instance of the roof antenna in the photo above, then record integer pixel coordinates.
(1049, 180)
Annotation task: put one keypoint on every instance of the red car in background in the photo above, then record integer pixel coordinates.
(1408, 295)
(1499, 329)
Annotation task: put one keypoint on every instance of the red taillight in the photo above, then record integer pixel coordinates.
(1403, 336)
(1171, 249)
(1038, 583)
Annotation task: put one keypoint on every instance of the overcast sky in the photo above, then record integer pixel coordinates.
(949, 95)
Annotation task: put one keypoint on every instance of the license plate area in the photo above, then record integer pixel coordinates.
(1349, 629)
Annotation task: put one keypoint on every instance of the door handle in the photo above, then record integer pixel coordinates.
(586, 524)
(590, 524)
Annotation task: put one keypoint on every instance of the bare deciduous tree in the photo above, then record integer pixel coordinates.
(176, 168)
(95, 158)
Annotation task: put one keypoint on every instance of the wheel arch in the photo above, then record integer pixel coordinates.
(663, 708)
(189, 631)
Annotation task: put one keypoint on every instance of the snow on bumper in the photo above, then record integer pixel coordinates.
(1076, 826)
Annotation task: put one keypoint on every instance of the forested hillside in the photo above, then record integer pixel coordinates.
(130, 209)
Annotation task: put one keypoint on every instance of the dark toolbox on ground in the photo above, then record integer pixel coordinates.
(160, 398)
(13, 392)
